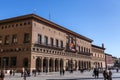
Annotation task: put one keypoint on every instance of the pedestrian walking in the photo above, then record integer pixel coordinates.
(13, 72)
(110, 75)
(2, 75)
(22, 73)
(63, 71)
(105, 74)
(25, 75)
(10, 72)
(96, 73)
(81, 70)
(117, 70)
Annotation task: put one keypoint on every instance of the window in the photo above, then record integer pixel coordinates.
(89, 50)
(2, 27)
(61, 44)
(13, 61)
(51, 41)
(14, 38)
(39, 39)
(16, 25)
(20, 24)
(9, 26)
(0, 40)
(7, 40)
(28, 22)
(79, 48)
(45, 40)
(26, 38)
(5, 62)
(82, 49)
(25, 62)
(12, 25)
(24, 23)
(57, 43)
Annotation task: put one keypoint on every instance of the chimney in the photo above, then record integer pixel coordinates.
(102, 45)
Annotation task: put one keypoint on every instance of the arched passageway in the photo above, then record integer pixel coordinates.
(61, 64)
(38, 64)
(56, 65)
(45, 65)
(51, 65)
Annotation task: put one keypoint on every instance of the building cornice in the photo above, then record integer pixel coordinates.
(98, 47)
(38, 18)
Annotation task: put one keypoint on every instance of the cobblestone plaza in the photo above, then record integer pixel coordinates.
(68, 76)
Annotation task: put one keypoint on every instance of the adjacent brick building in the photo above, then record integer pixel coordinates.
(98, 56)
(109, 60)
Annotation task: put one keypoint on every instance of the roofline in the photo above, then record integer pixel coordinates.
(98, 47)
(36, 17)
(108, 54)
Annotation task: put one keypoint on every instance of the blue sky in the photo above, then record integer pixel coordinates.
(98, 20)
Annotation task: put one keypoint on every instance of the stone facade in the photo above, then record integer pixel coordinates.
(33, 42)
(98, 56)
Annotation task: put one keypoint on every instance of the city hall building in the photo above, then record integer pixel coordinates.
(33, 42)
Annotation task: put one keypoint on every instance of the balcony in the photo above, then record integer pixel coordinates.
(69, 50)
(84, 53)
(48, 46)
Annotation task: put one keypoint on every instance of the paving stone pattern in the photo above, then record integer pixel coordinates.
(76, 75)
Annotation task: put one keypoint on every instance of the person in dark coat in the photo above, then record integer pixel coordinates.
(2, 75)
(117, 70)
(110, 75)
(96, 72)
(60, 71)
(25, 74)
(10, 72)
(63, 71)
(105, 74)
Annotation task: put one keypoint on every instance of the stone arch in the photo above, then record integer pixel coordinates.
(56, 64)
(70, 65)
(79, 65)
(75, 68)
(98, 65)
(82, 64)
(50, 65)
(61, 64)
(89, 65)
(45, 65)
(38, 63)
